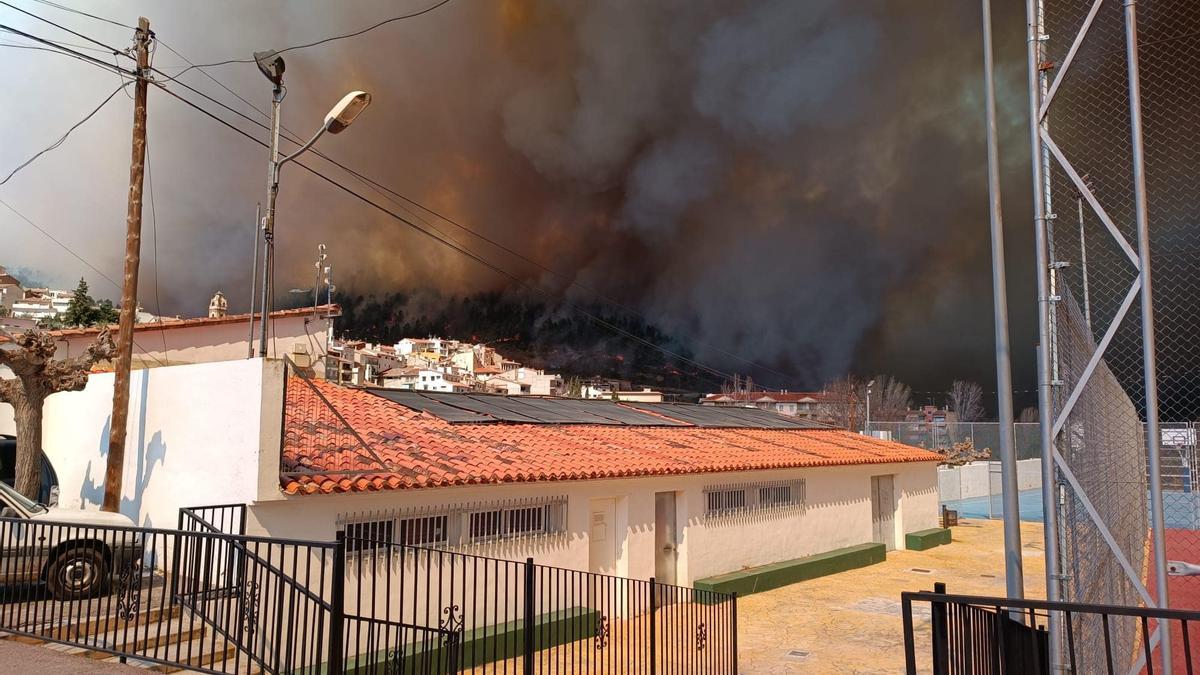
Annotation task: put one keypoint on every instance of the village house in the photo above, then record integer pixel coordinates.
(811, 405)
(300, 334)
(633, 489)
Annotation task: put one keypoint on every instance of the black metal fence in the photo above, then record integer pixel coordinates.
(208, 597)
(514, 616)
(975, 635)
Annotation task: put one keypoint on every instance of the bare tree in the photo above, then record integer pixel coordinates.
(1029, 414)
(891, 399)
(38, 376)
(966, 400)
(846, 400)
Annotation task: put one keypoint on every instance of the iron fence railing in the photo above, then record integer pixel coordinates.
(210, 598)
(519, 616)
(962, 634)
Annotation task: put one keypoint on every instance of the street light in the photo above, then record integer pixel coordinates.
(339, 117)
(867, 425)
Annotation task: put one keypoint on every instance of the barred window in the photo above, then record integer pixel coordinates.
(455, 525)
(369, 535)
(423, 530)
(724, 500)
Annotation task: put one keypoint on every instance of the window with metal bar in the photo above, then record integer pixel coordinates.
(726, 500)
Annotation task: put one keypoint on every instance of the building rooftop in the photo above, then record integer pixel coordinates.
(769, 396)
(415, 449)
(168, 323)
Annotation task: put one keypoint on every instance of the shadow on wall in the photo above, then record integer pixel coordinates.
(149, 455)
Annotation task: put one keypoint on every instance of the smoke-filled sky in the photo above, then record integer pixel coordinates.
(800, 183)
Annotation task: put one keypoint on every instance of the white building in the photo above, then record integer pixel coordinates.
(300, 334)
(642, 497)
(422, 379)
(41, 303)
(528, 381)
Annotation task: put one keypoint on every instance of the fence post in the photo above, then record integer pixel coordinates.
(529, 617)
(733, 626)
(940, 630)
(337, 613)
(653, 619)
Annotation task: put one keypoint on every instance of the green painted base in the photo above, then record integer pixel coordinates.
(482, 645)
(778, 574)
(926, 539)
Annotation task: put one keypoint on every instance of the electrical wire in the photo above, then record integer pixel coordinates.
(82, 13)
(453, 245)
(154, 229)
(91, 59)
(62, 138)
(385, 191)
(438, 235)
(78, 257)
(112, 49)
(321, 41)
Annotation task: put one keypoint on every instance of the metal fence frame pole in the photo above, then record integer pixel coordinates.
(733, 628)
(1033, 17)
(529, 618)
(1153, 433)
(653, 631)
(1014, 574)
(337, 614)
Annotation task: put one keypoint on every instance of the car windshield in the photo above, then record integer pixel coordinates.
(21, 500)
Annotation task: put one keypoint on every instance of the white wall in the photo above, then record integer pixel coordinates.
(838, 514)
(193, 438)
(976, 479)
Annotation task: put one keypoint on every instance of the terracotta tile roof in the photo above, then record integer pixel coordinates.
(421, 450)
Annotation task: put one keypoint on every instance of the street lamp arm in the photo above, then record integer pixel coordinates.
(306, 146)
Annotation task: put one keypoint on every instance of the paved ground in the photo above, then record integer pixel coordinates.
(16, 657)
(850, 622)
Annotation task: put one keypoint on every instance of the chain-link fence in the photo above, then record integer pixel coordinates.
(1095, 348)
(982, 438)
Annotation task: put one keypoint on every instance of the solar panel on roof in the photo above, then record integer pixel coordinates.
(558, 411)
(414, 400)
(477, 408)
(481, 405)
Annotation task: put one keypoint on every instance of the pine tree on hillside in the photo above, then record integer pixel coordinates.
(79, 312)
(85, 312)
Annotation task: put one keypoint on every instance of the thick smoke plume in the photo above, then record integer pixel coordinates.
(798, 183)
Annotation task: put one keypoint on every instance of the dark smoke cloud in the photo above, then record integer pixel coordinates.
(799, 183)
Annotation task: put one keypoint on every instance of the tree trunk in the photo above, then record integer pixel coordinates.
(27, 411)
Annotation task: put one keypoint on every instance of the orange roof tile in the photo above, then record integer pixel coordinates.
(320, 455)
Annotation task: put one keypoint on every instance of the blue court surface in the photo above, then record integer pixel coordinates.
(1181, 509)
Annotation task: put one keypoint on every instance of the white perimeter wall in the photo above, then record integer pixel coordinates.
(838, 514)
(975, 479)
(192, 439)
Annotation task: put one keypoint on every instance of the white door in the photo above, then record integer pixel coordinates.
(602, 536)
(666, 539)
(883, 511)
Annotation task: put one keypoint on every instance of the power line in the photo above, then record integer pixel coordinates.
(386, 191)
(78, 257)
(112, 49)
(325, 40)
(443, 238)
(62, 138)
(457, 247)
(82, 13)
(91, 59)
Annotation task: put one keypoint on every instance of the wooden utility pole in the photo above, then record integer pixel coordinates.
(133, 250)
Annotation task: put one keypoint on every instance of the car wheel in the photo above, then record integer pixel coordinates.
(77, 573)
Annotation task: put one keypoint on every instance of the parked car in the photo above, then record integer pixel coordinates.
(75, 559)
(48, 494)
